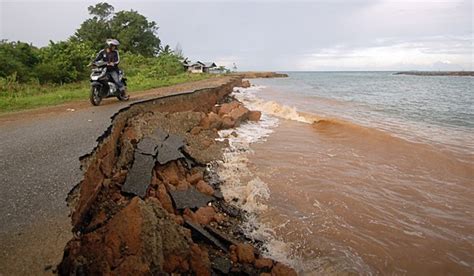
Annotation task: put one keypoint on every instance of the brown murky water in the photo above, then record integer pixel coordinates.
(350, 199)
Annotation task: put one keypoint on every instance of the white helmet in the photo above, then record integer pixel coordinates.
(112, 42)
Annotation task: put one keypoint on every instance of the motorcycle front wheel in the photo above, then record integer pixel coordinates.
(95, 96)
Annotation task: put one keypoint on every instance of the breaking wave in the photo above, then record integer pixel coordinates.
(248, 97)
(247, 191)
(374, 168)
(341, 128)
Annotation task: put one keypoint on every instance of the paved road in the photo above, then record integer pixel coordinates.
(38, 166)
(39, 162)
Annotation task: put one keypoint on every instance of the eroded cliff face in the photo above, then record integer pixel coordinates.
(149, 203)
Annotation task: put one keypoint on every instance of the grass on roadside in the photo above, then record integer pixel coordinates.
(28, 96)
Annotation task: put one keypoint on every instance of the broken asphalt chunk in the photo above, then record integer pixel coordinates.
(221, 236)
(139, 176)
(200, 233)
(147, 146)
(221, 264)
(168, 146)
(174, 141)
(170, 149)
(190, 198)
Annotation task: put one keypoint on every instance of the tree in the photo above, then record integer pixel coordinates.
(101, 11)
(166, 50)
(96, 30)
(135, 33)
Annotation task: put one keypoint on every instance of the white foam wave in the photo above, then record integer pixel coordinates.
(249, 98)
(242, 187)
(239, 182)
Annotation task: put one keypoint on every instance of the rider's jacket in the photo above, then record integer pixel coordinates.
(111, 56)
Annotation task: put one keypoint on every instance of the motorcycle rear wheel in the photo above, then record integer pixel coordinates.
(122, 96)
(95, 98)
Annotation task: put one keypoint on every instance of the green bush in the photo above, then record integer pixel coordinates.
(163, 65)
(64, 62)
(18, 59)
(61, 62)
(9, 85)
(52, 73)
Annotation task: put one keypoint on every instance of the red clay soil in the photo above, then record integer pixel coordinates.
(120, 233)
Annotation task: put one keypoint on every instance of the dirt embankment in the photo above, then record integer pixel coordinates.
(149, 203)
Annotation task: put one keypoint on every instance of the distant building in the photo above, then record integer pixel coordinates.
(218, 70)
(199, 67)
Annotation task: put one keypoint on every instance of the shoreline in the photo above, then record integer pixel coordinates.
(120, 205)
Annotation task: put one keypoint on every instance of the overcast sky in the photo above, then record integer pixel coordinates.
(281, 35)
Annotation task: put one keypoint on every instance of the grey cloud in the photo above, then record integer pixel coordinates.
(268, 35)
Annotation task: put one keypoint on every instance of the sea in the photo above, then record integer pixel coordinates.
(357, 173)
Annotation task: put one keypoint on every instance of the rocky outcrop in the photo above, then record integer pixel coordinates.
(255, 116)
(228, 115)
(149, 205)
(139, 239)
(246, 84)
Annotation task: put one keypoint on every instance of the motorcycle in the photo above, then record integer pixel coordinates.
(102, 85)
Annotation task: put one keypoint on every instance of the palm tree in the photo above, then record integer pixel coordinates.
(166, 50)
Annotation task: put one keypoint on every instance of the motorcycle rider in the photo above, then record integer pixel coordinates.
(110, 55)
